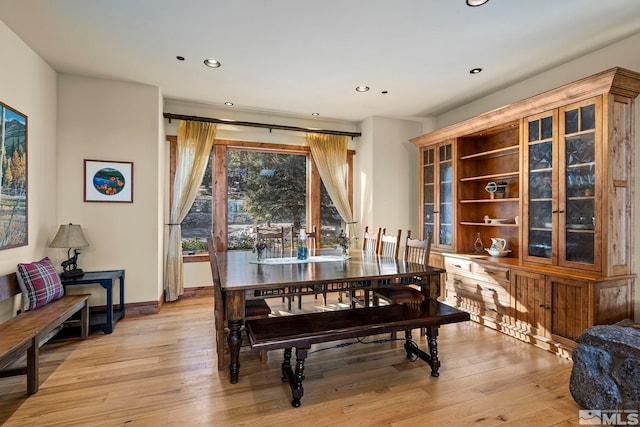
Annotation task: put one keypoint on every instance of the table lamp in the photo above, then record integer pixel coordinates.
(70, 236)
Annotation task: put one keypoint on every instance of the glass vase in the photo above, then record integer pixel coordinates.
(478, 246)
(345, 252)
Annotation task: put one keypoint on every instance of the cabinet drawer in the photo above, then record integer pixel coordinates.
(454, 265)
(490, 272)
(488, 294)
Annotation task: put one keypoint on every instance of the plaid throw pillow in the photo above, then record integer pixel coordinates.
(39, 283)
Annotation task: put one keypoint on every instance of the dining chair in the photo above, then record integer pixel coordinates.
(274, 238)
(254, 309)
(371, 241)
(389, 245)
(416, 251)
(370, 246)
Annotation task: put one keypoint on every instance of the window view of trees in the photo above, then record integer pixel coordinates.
(264, 189)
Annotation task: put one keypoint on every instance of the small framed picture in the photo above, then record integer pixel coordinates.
(108, 181)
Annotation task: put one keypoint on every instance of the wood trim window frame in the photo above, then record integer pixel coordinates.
(220, 190)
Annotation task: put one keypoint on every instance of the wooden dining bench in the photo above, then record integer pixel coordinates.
(303, 330)
(25, 333)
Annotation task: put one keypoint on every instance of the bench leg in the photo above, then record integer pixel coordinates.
(432, 337)
(431, 358)
(33, 377)
(294, 378)
(286, 364)
(296, 388)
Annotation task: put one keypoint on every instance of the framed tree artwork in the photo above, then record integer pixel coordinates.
(108, 181)
(13, 178)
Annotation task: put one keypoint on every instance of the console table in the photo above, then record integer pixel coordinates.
(105, 321)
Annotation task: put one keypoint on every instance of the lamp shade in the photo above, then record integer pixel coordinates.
(69, 236)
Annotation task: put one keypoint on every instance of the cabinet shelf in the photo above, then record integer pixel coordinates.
(509, 199)
(491, 177)
(484, 224)
(505, 151)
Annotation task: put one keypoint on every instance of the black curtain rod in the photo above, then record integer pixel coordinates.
(259, 125)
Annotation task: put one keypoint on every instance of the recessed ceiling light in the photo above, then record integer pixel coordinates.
(315, 114)
(475, 70)
(476, 3)
(362, 88)
(212, 63)
(228, 104)
(180, 58)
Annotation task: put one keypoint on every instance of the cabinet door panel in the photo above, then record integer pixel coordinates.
(569, 307)
(530, 305)
(445, 207)
(540, 196)
(580, 189)
(438, 195)
(428, 191)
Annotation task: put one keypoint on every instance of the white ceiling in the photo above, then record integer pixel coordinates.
(297, 57)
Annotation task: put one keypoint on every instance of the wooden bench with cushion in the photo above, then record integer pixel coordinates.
(303, 330)
(25, 333)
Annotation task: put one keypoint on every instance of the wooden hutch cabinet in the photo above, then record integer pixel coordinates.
(551, 175)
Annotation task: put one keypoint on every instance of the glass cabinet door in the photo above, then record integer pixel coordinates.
(578, 130)
(562, 202)
(428, 191)
(541, 204)
(445, 206)
(437, 194)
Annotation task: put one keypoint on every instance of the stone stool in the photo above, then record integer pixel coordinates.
(606, 367)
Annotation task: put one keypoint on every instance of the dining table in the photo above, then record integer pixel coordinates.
(243, 277)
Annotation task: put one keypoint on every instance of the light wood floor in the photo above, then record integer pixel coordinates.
(160, 370)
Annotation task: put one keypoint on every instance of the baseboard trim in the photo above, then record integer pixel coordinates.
(154, 307)
(198, 292)
(142, 308)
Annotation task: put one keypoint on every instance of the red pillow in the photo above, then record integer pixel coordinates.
(39, 283)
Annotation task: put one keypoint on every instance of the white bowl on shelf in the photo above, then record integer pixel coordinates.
(498, 220)
(495, 252)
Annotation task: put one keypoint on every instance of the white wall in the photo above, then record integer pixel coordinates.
(625, 54)
(387, 172)
(28, 85)
(108, 120)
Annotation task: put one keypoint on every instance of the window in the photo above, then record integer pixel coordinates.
(266, 184)
(264, 189)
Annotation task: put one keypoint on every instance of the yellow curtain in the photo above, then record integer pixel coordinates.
(195, 140)
(330, 154)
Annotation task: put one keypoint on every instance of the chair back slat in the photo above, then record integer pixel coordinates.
(389, 245)
(417, 250)
(371, 241)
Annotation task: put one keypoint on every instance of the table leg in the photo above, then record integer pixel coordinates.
(430, 286)
(108, 285)
(235, 341)
(235, 319)
(121, 307)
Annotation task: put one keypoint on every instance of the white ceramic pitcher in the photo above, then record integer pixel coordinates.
(498, 244)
